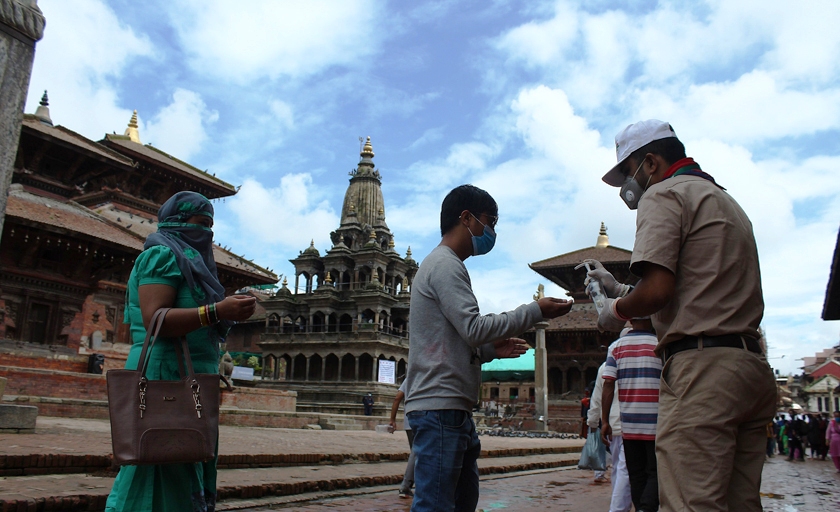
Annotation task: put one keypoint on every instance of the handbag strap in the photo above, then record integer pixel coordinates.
(182, 350)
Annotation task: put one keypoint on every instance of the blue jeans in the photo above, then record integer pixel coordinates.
(446, 449)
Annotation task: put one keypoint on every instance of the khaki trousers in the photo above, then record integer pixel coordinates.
(714, 406)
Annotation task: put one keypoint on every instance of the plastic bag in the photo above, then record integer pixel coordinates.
(594, 454)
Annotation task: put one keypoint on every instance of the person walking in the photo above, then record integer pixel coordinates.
(450, 339)
(176, 270)
(408, 476)
(832, 439)
(700, 281)
(633, 367)
(621, 500)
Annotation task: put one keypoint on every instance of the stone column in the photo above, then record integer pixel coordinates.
(357, 368)
(323, 369)
(21, 25)
(340, 364)
(541, 377)
(306, 377)
(292, 369)
(374, 370)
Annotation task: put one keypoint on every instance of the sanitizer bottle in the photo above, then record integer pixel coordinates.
(594, 290)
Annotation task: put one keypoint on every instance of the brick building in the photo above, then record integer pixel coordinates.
(77, 216)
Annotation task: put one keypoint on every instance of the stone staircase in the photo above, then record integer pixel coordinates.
(339, 424)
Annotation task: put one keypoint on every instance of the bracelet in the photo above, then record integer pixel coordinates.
(617, 314)
(202, 316)
(213, 314)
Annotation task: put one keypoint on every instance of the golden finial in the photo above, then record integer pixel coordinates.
(405, 283)
(373, 235)
(408, 253)
(328, 280)
(391, 243)
(132, 130)
(285, 282)
(540, 292)
(312, 243)
(603, 239)
(367, 150)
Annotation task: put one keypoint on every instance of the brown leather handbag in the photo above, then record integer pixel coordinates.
(163, 421)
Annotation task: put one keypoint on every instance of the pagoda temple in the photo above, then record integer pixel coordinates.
(574, 347)
(348, 309)
(77, 216)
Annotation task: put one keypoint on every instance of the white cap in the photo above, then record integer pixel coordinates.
(632, 138)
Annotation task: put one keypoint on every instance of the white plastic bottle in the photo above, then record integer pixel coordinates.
(594, 290)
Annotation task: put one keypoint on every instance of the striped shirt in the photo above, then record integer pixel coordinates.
(632, 363)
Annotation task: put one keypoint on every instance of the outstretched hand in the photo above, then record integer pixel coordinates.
(552, 308)
(511, 347)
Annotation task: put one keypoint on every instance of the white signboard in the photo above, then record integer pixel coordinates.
(387, 369)
(242, 373)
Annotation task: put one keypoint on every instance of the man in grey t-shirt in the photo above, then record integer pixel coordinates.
(450, 339)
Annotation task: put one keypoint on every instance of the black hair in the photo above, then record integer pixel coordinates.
(465, 197)
(669, 148)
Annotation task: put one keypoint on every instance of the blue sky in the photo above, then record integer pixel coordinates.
(520, 98)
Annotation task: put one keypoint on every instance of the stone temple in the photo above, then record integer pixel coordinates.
(348, 311)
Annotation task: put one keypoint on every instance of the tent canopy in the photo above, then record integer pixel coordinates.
(520, 368)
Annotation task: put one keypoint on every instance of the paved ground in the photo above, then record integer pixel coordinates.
(811, 486)
(93, 437)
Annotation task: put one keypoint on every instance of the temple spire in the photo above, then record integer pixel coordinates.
(43, 110)
(132, 130)
(603, 239)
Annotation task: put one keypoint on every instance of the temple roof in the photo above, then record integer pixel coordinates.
(156, 156)
(580, 318)
(64, 136)
(68, 216)
(608, 254)
(143, 225)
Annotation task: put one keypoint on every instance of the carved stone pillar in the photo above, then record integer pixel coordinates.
(306, 376)
(357, 369)
(21, 25)
(541, 377)
(340, 364)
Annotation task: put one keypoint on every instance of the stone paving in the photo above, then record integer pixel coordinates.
(812, 486)
(93, 437)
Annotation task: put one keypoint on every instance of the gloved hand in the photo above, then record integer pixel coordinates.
(611, 287)
(609, 320)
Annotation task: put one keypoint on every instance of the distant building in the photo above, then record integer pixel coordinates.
(575, 349)
(348, 311)
(77, 216)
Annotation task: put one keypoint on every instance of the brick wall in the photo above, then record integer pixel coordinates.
(260, 399)
(50, 383)
(62, 363)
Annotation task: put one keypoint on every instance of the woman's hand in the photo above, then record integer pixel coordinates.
(236, 308)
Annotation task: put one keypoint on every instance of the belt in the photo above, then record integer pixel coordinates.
(702, 342)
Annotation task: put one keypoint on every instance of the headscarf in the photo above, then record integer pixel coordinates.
(192, 245)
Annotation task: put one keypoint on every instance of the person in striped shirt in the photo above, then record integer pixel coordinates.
(633, 365)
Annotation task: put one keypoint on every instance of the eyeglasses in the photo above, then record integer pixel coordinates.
(494, 219)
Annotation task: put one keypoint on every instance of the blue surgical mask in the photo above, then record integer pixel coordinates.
(484, 243)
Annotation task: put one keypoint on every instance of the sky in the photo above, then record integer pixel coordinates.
(522, 99)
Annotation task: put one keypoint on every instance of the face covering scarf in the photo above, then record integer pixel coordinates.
(192, 245)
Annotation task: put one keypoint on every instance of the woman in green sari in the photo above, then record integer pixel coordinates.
(176, 270)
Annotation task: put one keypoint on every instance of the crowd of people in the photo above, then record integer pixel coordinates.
(797, 433)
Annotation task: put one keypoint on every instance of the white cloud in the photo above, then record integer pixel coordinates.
(283, 113)
(241, 42)
(285, 216)
(81, 67)
(180, 127)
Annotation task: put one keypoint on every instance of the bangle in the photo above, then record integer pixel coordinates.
(202, 316)
(617, 314)
(213, 314)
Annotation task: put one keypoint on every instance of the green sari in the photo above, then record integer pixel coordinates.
(170, 487)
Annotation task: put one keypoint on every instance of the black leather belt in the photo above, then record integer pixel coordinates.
(696, 342)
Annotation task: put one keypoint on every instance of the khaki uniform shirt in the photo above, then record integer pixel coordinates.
(697, 231)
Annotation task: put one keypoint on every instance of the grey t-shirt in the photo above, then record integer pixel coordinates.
(449, 336)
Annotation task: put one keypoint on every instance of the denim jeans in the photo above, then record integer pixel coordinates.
(446, 450)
